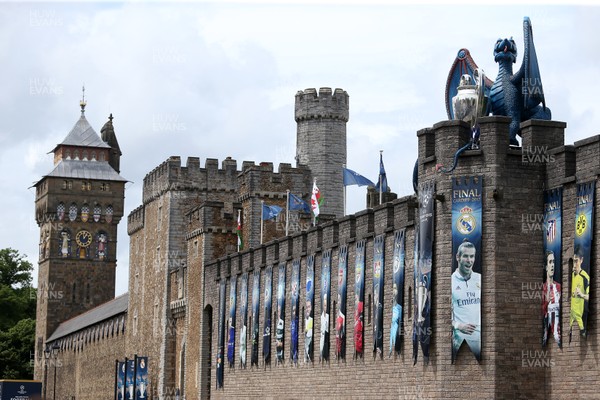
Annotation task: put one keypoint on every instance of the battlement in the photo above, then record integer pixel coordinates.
(135, 220)
(322, 105)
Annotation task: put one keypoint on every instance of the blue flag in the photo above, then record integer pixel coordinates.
(382, 178)
(354, 178)
(297, 204)
(270, 212)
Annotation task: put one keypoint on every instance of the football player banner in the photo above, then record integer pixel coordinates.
(295, 299)
(340, 319)
(130, 379)
(141, 377)
(221, 334)
(552, 269)
(280, 327)
(120, 381)
(466, 264)
(244, 330)
(255, 317)
(325, 294)
(580, 276)
(398, 290)
(309, 310)
(378, 275)
(231, 322)
(267, 321)
(359, 298)
(422, 293)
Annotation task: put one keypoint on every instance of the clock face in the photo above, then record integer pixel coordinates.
(83, 238)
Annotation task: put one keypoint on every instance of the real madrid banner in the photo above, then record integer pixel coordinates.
(552, 269)
(309, 311)
(255, 317)
(580, 276)
(267, 321)
(295, 298)
(244, 330)
(398, 291)
(221, 334)
(340, 319)
(378, 275)
(231, 322)
(422, 323)
(280, 327)
(466, 264)
(359, 298)
(325, 294)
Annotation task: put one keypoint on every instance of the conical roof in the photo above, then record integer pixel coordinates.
(83, 135)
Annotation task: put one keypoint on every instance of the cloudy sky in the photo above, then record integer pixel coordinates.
(218, 79)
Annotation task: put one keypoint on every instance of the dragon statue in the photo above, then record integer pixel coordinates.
(519, 95)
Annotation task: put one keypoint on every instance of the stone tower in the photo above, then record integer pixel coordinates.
(321, 142)
(78, 206)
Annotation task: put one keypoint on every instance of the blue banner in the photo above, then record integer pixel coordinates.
(378, 285)
(244, 330)
(466, 265)
(325, 295)
(280, 327)
(141, 378)
(552, 269)
(309, 310)
(121, 380)
(422, 323)
(580, 276)
(130, 380)
(221, 334)
(295, 299)
(359, 298)
(231, 322)
(340, 319)
(398, 290)
(255, 317)
(267, 320)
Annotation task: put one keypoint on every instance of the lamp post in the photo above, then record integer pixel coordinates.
(50, 352)
(46, 358)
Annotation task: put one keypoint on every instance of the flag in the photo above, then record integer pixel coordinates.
(315, 200)
(297, 204)
(382, 178)
(354, 178)
(240, 242)
(270, 212)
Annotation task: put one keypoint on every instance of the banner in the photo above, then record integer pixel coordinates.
(309, 311)
(231, 324)
(422, 323)
(244, 330)
(130, 379)
(255, 317)
(552, 270)
(359, 298)
(221, 334)
(141, 377)
(340, 319)
(280, 327)
(466, 265)
(398, 290)
(580, 276)
(378, 275)
(325, 295)
(120, 380)
(267, 321)
(295, 299)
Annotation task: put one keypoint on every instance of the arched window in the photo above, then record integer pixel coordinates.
(108, 213)
(60, 210)
(97, 212)
(72, 212)
(67, 154)
(76, 155)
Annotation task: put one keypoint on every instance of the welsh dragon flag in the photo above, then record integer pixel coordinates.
(315, 200)
(240, 242)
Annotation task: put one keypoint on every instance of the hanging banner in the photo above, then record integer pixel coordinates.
(130, 380)
(255, 317)
(580, 276)
(267, 321)
(120, 380)
(398, 290)
(378, 275)
(309, 311)
(421, 324)
(340, 319)
(359, 298)
(466, 265)
(221, 334)
(141, 378)
(231, 324)
(280, 327)
(244, 330)
(295, 299)
(552, 274)
(325, 295)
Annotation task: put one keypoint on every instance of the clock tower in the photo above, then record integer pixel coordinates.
(78, 206)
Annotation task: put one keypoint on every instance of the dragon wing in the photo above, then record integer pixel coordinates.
(533, 92)
(463, 64)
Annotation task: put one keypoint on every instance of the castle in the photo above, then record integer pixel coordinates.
(183, 252)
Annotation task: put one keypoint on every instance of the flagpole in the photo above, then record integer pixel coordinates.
(238, 238)
(380, 183)
(287, 212)
(262, 208)
(343, 167)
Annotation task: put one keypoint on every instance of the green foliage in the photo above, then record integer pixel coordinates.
(15, 271)
(16, 350)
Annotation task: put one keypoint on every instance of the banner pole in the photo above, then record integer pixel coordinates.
(262, 208)
(287, 212)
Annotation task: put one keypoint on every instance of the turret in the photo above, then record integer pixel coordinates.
(109, 137)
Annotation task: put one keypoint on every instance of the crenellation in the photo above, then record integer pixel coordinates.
(365, 224)
(587, 159)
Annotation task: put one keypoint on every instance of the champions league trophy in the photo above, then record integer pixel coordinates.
(421, 290)
(130, 390)
(142, 389)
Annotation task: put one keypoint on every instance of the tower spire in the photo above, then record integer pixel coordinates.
(82, 103)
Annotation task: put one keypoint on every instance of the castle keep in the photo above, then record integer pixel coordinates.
(183, 247)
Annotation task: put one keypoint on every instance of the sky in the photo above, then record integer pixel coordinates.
(213, 80)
